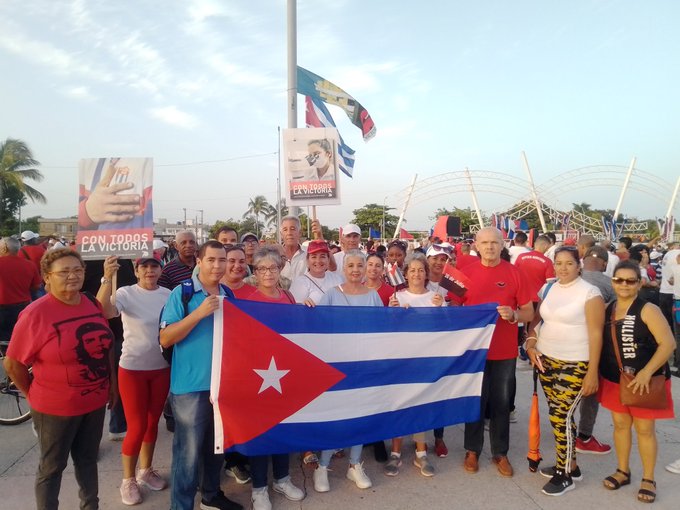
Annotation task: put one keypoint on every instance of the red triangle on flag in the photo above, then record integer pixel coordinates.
(257, 362)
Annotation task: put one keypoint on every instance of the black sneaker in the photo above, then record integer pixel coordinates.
(549, 472)
(220, 502)
(238, 473)
(558, 484)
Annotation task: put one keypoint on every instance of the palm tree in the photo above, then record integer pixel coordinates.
(271, 214)
(16, 166)
(256, 207)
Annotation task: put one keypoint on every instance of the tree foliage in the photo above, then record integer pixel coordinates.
(16, 167)
(371, 216)
(257, 206)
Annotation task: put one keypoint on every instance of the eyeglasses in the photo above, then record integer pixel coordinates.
(265, 270)
(250, 241)
(78, 272)
(628, 281)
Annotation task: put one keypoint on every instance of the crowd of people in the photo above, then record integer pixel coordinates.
(565, 309)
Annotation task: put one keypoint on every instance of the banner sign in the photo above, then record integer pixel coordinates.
(115, 212)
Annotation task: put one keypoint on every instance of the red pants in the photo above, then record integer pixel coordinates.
(143, 393)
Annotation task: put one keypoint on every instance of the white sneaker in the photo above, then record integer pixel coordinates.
(129, 492)
(357, 474)
(321, 479)
(260, 499)
(423, 463)
(513, 416)
(117, 436)
(289, 490)
(674, 467)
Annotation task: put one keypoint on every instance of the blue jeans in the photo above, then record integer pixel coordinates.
(497, 387)
(117, 422)
(354, 455)
(194, 462)
(259, 465)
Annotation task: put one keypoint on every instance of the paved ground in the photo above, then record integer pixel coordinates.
(450, 488)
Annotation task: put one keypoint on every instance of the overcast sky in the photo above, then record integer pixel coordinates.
(200, 86)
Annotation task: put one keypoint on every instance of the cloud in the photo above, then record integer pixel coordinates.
(80, 92)
(175, 117)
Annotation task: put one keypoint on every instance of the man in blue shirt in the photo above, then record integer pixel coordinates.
(190, 333)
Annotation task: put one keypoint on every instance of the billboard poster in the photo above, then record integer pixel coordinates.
(115, 210)
(311, 166)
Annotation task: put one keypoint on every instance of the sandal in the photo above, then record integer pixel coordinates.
(310, 458)
(612, 484)
(647, 495)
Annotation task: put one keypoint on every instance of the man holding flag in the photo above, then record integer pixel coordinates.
(498, 281)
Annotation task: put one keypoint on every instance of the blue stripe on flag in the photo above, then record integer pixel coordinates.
(345, 319)
(296, 437)
(366, 374)
(345, 152)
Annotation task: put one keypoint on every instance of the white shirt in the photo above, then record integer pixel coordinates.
(141, 311)
(307, 286)
(564, 332)
(296, 266)
(516, 251)
(667, 264)
(416, 300)
(611, 264)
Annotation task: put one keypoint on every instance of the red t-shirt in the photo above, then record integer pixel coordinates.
(385, 292)
(500, 284)
(463, 260)
(243, 292)
(285, 297)
(68, 346)
(535, 269)
(34, 253)
(17, 277)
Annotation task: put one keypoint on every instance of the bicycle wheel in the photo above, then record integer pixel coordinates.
(14, 408)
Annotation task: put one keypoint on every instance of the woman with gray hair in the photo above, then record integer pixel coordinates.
(268, 262)
(350, 293)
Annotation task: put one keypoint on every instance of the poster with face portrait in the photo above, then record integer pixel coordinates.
(311, 166)
(115, 210)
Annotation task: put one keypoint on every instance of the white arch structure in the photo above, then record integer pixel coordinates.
(518, 191)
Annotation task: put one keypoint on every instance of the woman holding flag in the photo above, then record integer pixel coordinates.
(351, 293)
(417, 295)
(268, 263)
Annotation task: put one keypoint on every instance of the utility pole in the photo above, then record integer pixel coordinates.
(202, 227)
(185, 217)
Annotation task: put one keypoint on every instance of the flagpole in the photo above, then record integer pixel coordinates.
(403, 210)
(292, 63)
(623, 191)
(278, 192)
(674, 196)
(533, 192)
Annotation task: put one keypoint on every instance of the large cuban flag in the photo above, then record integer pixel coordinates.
(290, 378)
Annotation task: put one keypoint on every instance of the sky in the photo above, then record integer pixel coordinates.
(200, 85)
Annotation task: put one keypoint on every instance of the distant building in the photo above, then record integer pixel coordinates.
(58, 227)
(162, 229)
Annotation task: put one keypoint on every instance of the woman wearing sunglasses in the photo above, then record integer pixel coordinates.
(645, 342)
(565, 349)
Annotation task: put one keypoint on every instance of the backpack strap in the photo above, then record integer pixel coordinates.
(187, 293)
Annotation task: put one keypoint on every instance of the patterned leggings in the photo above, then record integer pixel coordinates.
(562, 382)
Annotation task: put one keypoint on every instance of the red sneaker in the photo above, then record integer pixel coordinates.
(440, 448)
(593, 446)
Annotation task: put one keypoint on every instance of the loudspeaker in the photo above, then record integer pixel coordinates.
(453, 226)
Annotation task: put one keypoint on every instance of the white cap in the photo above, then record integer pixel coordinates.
(27, 235)
(350, 228)
(158, 244)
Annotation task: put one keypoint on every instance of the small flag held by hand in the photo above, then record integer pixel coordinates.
(394, 276)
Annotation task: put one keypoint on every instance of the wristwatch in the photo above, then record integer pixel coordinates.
(104, 280)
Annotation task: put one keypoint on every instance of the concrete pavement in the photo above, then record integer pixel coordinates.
(452, 487)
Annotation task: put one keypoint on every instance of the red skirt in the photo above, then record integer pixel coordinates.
(608, 395)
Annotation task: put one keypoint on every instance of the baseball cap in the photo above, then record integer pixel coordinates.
(317, 246)
(350, 228)
(438, 249)
(653, 255)
(597, 252)
(570, 242)
(27, 235)
(144, 260)
(158, 244)
(247, 235)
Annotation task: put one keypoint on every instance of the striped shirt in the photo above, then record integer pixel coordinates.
(174, 273)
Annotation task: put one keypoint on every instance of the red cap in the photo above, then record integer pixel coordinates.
(317, 246)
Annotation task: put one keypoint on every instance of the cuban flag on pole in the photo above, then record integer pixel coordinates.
(317, 115)
(297, 378)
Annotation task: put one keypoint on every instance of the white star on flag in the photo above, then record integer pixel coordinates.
(271, 377)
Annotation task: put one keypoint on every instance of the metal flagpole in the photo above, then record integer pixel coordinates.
(623, 191)
(403, 210)
(278, 192)
(292, 63)
(533, 192)
(474, 198)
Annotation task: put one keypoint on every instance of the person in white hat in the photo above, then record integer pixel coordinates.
(349, 240)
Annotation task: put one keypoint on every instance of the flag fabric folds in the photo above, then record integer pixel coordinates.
(321, 90)
(297, 378)
(394, 275)
(317, 115)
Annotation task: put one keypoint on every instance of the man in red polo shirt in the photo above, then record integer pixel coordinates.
(496, 281)
(18, 277)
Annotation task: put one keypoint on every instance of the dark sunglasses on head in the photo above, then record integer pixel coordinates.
(440, 247)
(566, 248)
(628, 281)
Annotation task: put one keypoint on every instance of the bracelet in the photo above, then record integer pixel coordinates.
(530, 338)
(515, 316)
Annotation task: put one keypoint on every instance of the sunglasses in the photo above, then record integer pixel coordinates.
(447, 249)
(566, 248)
(628, 281)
